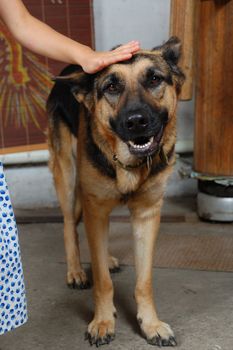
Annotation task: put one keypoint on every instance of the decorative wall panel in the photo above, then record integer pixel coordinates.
(26, 77)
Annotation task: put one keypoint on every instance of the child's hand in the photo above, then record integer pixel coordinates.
(95, 61)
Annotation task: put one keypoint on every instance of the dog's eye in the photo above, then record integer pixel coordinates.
(155, 81)
(112, 88)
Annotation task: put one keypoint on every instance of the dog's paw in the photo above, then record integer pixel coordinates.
(113, 264)
(77, 280)
(159, 333)
(100, 332)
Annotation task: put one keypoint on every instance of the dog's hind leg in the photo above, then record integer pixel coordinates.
(146, 222)
(113, 264)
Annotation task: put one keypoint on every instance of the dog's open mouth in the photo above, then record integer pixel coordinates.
(145, 145)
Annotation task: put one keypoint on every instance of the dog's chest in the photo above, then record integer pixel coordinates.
(130, 181)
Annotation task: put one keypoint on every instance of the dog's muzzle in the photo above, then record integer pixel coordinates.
(143, 140)
(141, 129)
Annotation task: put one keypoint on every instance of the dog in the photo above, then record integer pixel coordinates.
(111, 137)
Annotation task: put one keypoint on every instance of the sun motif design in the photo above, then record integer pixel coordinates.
(24, 85)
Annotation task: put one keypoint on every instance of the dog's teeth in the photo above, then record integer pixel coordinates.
(146, 145)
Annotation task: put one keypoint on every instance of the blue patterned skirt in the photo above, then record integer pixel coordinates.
(13, 308)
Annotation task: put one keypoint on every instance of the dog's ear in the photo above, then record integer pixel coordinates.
(171, 50)
(80, 85)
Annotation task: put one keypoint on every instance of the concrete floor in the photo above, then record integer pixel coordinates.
(197, 304)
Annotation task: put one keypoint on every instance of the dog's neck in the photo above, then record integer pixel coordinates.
(115, 161)
(147, 160)
(130, 178)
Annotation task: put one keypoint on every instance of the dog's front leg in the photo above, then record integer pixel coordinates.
(145, 229)
(96, 218)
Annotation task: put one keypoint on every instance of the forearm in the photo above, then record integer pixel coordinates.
(39, 37)
(42, 39)
(50, 43)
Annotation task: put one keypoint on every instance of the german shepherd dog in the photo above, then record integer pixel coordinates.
(111, 139)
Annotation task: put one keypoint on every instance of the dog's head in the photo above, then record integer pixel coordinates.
(134, 100)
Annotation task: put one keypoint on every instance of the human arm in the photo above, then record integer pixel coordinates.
(44, 40)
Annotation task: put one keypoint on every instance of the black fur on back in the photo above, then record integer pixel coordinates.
(62, 105)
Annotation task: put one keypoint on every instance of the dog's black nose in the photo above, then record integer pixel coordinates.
(136, 122)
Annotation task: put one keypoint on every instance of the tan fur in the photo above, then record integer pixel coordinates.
(96, 195)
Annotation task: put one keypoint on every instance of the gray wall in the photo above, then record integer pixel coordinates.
(119, 21)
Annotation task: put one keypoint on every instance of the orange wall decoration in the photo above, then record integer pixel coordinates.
(26, 78)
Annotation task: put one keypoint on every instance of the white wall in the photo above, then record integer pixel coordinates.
(31, 187)
(119, 21)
